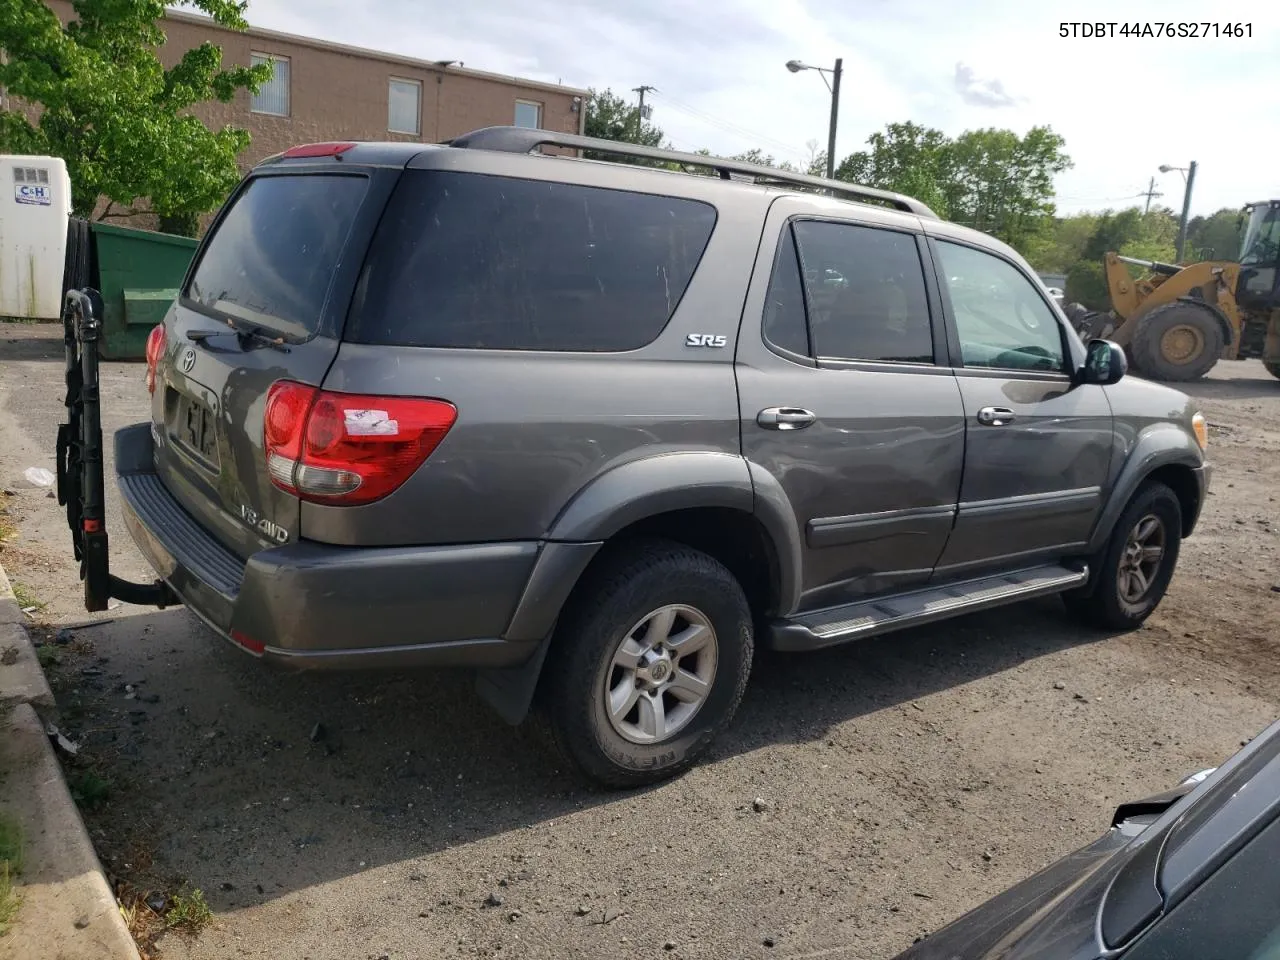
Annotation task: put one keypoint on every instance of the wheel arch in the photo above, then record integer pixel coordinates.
(1166, 455)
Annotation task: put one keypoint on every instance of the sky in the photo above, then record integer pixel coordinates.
(1125, 105)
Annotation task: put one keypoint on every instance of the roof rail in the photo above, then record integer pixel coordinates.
(526, 140)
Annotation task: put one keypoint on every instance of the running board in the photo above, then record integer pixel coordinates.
(866, 618)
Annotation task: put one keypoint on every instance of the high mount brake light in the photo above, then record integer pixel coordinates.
(348, 449)
(317, 150)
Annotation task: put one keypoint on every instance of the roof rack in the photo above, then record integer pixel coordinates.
(526, 140)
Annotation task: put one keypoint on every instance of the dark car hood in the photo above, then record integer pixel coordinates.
(1052, 913)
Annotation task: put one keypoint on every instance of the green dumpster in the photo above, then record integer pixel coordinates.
(139, 273)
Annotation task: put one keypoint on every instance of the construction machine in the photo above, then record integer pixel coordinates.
(1178, 320)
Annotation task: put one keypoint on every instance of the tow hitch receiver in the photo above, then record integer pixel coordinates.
(81, 488)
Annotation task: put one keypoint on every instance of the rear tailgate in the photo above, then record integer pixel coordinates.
(264, 302)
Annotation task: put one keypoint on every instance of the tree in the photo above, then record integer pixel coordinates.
(611, 117)
(107, 107)
(1002, 184)
(906, 158)
(1057, 248)
(1131, 233)
(1216, 237)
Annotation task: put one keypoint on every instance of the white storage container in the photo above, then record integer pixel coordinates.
(35, 207)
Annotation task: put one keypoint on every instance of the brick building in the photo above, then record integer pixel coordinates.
(328, 91)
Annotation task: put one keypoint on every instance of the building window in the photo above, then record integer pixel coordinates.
(273, 97)
(528, 114)
(403, 99)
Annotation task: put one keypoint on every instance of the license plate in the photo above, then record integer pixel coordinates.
(196, 430)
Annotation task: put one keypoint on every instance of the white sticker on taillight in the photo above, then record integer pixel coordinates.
(370, 423)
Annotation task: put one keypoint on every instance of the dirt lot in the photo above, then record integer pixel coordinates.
(902, 780)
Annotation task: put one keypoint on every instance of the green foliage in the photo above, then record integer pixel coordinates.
(188, 911)
(113, 113)
(611, 117)
(1056, 248)
(989, 179)
(906, 157)
(1215, 237)
(1002, 184)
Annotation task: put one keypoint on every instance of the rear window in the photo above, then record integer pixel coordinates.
(271, 260)
(475, 261)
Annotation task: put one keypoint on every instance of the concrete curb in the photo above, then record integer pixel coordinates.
(21, 679)
(68, 911)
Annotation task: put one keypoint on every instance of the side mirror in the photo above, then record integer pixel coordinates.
(1104, 363)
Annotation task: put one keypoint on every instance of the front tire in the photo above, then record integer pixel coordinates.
(649, 663)
(1134, 569)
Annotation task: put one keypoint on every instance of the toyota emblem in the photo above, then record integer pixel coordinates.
(188, 360)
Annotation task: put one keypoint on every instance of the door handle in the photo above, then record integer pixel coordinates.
(785, 418)
(995, 416)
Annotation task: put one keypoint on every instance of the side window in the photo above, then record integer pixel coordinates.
(865, 292)
(1001, 318)
(784, 321)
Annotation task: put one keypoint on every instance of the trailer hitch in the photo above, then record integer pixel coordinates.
(81, 488)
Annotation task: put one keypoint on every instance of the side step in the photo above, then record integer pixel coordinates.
(866, 618)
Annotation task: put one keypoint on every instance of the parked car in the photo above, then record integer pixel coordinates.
(586, 428)
(1191, 873)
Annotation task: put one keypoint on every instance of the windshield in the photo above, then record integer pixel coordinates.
(1262, 236)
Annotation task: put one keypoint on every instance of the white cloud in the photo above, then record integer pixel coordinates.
(1124, 105)
(980, 93)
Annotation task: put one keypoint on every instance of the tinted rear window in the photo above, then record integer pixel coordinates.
(468, 260)
(272, 257)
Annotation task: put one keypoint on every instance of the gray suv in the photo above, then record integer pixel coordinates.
(598, 430)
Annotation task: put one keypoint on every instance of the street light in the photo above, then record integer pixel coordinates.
(1189, 175)
(795, 66)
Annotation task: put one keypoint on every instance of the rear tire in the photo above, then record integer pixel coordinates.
(648, 664)
(1130, 579)
(1177, 342)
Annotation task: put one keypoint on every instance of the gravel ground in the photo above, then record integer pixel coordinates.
(864, 796)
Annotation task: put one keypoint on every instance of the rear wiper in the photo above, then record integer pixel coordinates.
(257, 335)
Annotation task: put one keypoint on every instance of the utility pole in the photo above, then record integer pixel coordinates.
(642, 90)
(1186, 212)
(1151, 191)
(835, 115)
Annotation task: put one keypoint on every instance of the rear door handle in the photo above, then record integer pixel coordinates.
(785, 418)
(996, 416)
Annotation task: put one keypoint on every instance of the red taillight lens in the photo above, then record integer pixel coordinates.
(155, 350)
(344, 448)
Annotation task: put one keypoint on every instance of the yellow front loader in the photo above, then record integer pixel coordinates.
(1177, 321)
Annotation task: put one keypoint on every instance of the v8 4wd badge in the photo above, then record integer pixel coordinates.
(268, 528)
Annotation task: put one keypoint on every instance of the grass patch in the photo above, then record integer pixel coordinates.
(89, 789)
(10, 867)
(188, 911)
(48, 657)
(26, 599)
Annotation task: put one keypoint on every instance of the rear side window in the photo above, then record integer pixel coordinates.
(271, 259)
(866, 293)
(785, 325)
(476, 261)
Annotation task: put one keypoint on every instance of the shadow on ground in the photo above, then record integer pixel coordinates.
(250, 783)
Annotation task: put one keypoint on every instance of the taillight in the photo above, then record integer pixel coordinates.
(155, 350)
(345, 448)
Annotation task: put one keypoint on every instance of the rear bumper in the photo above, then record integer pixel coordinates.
(310, 605)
